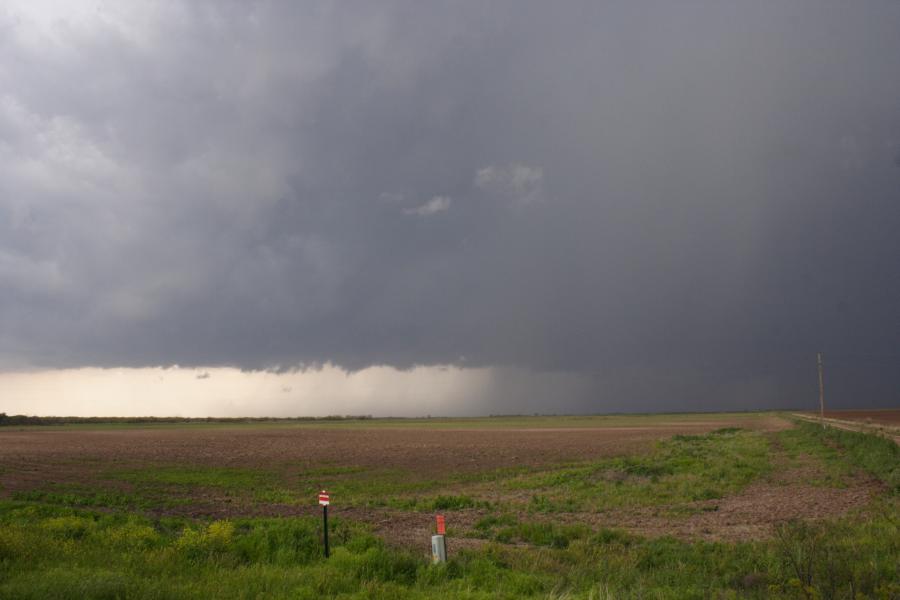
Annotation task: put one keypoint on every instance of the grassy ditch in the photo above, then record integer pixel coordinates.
(844, 452)
(53, 552)
(680, 470)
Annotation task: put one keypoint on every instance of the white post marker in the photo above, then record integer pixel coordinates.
(438, 549)
(438, 543)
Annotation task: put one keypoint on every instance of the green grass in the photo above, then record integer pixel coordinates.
(156, 487)
(680, 470)
(843, 452)
(48, 552)
(92, 496)
(79, 496)
(80, 541)
(160, 487)
(674, 474)
(371, 488)
(195, 477)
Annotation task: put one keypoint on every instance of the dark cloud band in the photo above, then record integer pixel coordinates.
(675, 202)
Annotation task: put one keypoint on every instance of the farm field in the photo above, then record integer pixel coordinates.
(884, 416)
(659, 506)
(879, 422)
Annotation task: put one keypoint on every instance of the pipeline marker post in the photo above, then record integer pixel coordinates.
(324, 501)
(438, 543)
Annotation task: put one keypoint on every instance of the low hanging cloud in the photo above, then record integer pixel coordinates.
(435, 205)
(253, 186)
(520, 183)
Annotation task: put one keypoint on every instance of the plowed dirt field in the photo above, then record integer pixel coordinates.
(390, 474)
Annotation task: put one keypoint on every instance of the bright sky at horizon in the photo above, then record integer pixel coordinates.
(459, 207)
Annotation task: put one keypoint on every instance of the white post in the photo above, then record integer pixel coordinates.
(438, 549)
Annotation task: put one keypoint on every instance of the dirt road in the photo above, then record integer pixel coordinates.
(885, 430)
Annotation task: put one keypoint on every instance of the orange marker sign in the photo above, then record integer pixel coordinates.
(441, 528)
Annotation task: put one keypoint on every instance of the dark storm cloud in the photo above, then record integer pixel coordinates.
(681, 202)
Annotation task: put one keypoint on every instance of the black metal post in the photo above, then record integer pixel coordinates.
(325, 521)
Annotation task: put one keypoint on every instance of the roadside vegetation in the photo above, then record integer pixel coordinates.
(845, 451)
(681, 470)
(82, 542)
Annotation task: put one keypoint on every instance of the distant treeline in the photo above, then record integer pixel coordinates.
(6, 419)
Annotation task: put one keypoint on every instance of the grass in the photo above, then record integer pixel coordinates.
(674, 474)
(160, 487)
(75, 541)
(53, 552)
(151, 488)
(683, 469)
(843, 452)
(195, 477)
(85, 497)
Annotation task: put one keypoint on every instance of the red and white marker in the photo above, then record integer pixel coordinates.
(438, 543)
(324, 501)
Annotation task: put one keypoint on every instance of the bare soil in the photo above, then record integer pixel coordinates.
(888, 416)
(753, 513)
(32, 459)
(421, 450)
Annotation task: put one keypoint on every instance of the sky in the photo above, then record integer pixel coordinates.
(233, 207)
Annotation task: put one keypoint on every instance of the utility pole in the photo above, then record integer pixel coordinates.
(821, 389)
